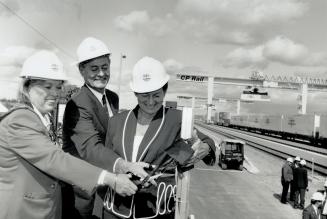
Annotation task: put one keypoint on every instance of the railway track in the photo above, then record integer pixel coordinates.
(315, 158)
(296, 144)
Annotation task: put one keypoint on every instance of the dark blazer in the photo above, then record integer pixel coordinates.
(31, 167)
(309, 213)
(85, 126)
(300, 177)
(162, 133)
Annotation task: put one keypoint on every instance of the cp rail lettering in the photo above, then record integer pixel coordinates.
(192, 78)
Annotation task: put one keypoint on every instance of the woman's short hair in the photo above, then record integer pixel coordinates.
(23, 90)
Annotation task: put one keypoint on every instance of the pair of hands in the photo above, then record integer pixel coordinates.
(200, 149)
(122, 182)
(125, 187)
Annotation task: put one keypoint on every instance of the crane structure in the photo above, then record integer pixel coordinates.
(259, 80)
(218, 99)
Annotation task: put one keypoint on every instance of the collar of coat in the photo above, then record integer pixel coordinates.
(129, 130)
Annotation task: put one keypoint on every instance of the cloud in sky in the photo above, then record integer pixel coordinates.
(245, 11)
(237, 22)
(280, 49)
(13, 57)
(140, 22)
(172, 65)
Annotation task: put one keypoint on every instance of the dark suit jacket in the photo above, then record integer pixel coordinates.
(309, 213)
(162, 133)
(300, 178)
(31, 167)
(85, 125)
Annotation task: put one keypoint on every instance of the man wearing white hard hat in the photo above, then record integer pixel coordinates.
(150, 133)
(300, 184)
(313, 210)
(86, 118)
(286, 178)
(295, 165)
(32, 165)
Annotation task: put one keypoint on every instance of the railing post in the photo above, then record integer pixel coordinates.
(183, 179)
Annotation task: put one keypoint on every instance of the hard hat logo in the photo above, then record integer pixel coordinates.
(92, 48)
(54, 67)
(146, 77)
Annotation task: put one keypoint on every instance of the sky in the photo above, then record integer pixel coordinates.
(219, 38)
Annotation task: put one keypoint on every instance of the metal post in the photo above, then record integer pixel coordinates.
(210, 94)
(312, 168)
(303, 99)
(238, 109)
(193, 103)
(120, 72)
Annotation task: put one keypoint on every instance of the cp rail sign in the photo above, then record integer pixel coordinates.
(192, 78)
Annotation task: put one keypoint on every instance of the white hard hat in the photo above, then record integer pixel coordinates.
(318, 196)
(290, 159)
(297, 158)
(148, 75)
(91, 48)
(303, 162)
(43, 65)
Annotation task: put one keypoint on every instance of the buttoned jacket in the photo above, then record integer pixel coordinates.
(31, 166)
(85, 126)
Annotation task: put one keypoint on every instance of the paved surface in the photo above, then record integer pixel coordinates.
(216, 193)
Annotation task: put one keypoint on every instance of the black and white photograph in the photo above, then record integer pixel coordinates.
(166, 109)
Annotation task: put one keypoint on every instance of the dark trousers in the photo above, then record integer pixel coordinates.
(299, 192)
(75, 206)
(292, 190)
(285, 191)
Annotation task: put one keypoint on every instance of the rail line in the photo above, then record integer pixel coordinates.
(314, 158)
(297, 144)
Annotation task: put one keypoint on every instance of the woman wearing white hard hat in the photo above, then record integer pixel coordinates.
(147, 133)
(31, 165)
(313, 211)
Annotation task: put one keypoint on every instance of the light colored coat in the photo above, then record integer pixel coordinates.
(31, 167)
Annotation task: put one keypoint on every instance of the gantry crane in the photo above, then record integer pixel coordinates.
(259, 80)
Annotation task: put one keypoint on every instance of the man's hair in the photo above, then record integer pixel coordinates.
(81, 65)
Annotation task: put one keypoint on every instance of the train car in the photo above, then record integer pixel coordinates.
(309, 128)
(222, 118)
(300, 127)
(254, 121)
(323, 130)
(271, 124)
(239, 121)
